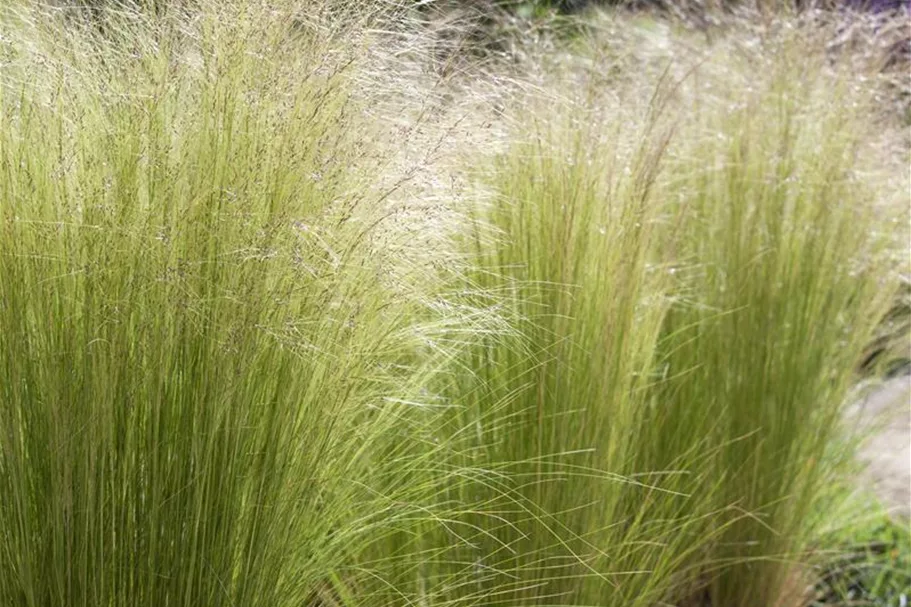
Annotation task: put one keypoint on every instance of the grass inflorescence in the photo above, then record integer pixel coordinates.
(236, 370)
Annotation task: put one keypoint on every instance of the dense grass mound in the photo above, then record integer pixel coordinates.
(198, 344)
(236, 369)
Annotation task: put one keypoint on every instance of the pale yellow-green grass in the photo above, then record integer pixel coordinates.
(564, 254)
(690, 288)
(203, 361)
(288, 318)
(784, 245)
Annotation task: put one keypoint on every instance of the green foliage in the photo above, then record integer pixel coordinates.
(226, 380)
(781, 252)
(197, 344)
(872, 566)
(561, 400)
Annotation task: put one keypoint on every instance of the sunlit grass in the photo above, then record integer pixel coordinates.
(563, 253)
(783, 252)
(198, 345)
(231, 374)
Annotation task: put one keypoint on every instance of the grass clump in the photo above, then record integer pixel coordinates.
(783, 251)
(196, 341)
(688, 305)
(563, 254)
(233, 373)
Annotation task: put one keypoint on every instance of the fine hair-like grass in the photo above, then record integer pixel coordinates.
(563, 253)
(689, 302)
(782, 249)
(197, 343)
(231, 375)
